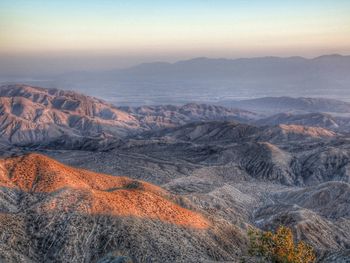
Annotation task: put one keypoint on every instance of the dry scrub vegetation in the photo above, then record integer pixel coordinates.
(279, 247)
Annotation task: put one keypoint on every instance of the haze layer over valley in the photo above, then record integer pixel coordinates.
(207, 80)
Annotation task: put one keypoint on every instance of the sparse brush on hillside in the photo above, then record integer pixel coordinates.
(279, 247)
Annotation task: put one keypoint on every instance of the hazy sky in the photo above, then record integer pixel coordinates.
(49, 35)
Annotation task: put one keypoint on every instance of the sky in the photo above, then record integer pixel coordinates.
(59, 36)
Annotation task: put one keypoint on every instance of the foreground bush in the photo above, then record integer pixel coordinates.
(279, 247)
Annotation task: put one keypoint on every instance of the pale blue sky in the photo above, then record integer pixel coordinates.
(170, 30)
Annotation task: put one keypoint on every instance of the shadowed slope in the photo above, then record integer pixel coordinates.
(232, 132)
(319, 214)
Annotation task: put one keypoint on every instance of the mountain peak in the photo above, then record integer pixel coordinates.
(330, 56)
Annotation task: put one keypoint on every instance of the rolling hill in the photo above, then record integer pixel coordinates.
(52, 212)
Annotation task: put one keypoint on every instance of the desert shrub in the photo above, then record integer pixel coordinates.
(135, 185)
(279, 247)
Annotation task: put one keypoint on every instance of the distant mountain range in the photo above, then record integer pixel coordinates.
(273, 105)
(208, 80)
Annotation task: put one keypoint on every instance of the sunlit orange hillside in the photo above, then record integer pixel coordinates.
(97, 193)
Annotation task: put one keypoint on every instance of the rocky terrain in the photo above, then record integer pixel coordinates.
(36, 116)
(243, 174)
(171, 115)
(54, 213)
(324, 120)
(194, 178)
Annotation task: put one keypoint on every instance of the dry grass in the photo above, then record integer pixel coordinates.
(104, 194)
